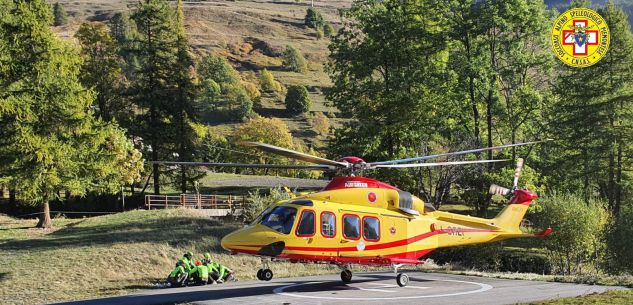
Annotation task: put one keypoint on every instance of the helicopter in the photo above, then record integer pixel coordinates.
(356, 220)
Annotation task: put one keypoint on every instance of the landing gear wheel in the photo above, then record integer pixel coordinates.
(402, 279)
(259, 274)
(346, 276)
(267, 274)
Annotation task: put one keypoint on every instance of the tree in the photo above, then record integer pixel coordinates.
(592, 117)
(156, 49)
(293, 60)
(268, 82)
(210, 93)
(298, 100)
(60, 15)
(259, 129)
(184, 107)
(239, 102)
(101, 71)
(51, 141)
(387, 69)
(217, 69)
(313, 18)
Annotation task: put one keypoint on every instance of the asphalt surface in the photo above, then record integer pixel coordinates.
(366, 288)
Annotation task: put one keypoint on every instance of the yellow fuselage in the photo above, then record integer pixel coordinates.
(387, 232)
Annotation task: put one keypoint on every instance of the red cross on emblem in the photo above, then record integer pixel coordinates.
(580, 43)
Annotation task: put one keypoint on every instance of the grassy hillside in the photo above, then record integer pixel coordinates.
(110, 255)
(251, 34)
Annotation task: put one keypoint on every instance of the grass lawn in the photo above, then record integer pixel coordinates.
(607, 298)
(113, 254)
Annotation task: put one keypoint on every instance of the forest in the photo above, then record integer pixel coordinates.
(407, 78)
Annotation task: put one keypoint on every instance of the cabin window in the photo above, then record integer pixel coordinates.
(307, 224)
(351, 226)
(328, 224)
(280, 219)
(371, 228)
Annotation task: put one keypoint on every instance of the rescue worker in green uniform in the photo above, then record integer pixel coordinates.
(219, 273)
(178, 277)
(188, 258)
(200, 275)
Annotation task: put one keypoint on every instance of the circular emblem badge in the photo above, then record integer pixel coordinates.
(360, 246)
(372, 197)
(580, 37)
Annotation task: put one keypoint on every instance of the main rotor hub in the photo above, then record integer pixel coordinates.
(352, 160)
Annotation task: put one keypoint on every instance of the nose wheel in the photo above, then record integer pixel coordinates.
(265, 274)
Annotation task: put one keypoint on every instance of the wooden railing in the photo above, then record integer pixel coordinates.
(194, 201)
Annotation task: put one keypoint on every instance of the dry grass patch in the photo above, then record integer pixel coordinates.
(112, 255)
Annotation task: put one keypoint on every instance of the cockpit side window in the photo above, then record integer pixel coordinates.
(351, 226)
(280, 219)
(307, 224)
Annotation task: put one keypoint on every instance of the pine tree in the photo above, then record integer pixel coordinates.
(52, 143)
(184, 107)
(101, 71)
(61, 17)
(593, 117)
(156, 49)
(314, 19)
(298, 100)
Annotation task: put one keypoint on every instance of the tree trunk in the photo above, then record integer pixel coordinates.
(11, 196)
(45, 216)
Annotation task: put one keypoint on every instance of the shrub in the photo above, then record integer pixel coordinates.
(321, 124)
(59, 14)
(579, 225)
(620, 243)
(294, 61)
(319, 34)
(328, 30)
(238, 102)
(298, 100)
(268, 82)
(252, 91)
(313, 18)
(258, 202)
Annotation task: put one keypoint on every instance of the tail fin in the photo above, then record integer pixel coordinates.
(509, 219)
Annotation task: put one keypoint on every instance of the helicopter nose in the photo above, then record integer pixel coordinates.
(228, 242)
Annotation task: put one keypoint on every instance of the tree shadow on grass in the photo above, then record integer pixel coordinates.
(4, 276)
(174, 231)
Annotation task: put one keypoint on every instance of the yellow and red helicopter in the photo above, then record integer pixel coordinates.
(362, 221)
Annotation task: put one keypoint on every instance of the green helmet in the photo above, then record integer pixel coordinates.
(189, 254)
(207, 256)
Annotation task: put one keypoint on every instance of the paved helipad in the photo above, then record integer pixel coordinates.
(366, 288)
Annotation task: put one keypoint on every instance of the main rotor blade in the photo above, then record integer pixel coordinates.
(294, 154)
(279, 166)
(456, 153)
(435, 164)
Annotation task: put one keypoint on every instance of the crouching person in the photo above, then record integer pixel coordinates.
(200, 275)
(218, 272)
(178, 277)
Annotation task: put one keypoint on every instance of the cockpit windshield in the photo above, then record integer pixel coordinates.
(261, 215)
(280, 219)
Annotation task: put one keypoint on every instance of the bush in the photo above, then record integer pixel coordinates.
(321, 124)
(239, 103)
(578, 237)
(620, 243)
(313, 18)
(298, 100)
(268, 82)
(210, 93)
(59, 14)
(319, 34)
(294, 61)
(328, 30)
(258, 202)
(494, 258)
(252, 91)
